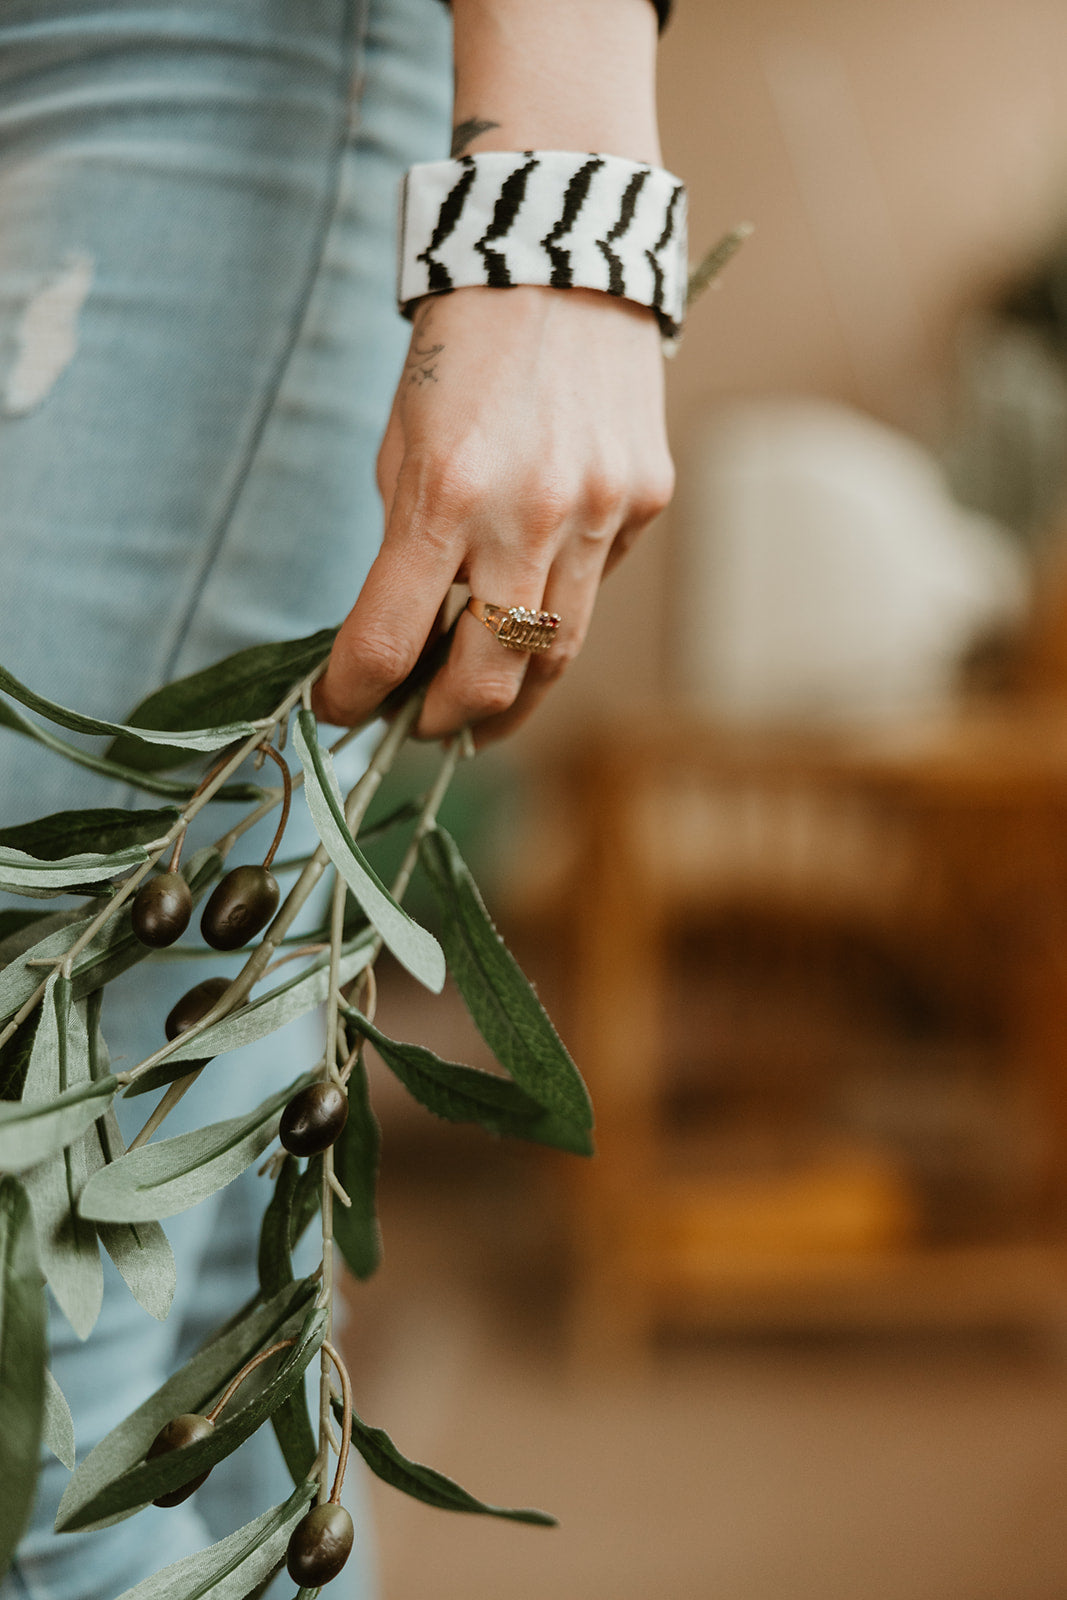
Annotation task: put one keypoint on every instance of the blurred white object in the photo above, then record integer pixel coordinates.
(826, 574)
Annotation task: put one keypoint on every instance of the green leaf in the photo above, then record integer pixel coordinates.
(412, 946)
(143, 1481)
(279, 1232)
(505, 1009)
(467, 1094)
(13, 924)
(246, 685)
(424, 1483)
(23, 874)
(140, 1250)
(202, 738)
(15, 1059)
(355, 1158)
(30, 1132)
(58, 1430)
(159, 1180)
(69, 833)
(22, 1365)
(66, 1242)
(194, 1388)
(170, 788)
(295, 997)
(111, 951)
(234, 1568)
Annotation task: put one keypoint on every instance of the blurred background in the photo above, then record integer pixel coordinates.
(787, 858)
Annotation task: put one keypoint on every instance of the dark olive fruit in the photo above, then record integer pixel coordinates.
(161, 909)
(319, 1545)
(242, 904)
(194, 1004)
(186, 1429)
(313, 1119)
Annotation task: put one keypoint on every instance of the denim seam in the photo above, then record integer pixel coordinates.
(352, 38)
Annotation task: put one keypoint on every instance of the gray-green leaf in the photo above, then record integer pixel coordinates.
(203, 738)
(66, 1242)
(261, 1017)
(22, 1365)
(194, 1388)
(236, 1566)
(412, 946)
(140, 1250)
(505, 1009)
(169, 788)
(291, 1423)
(24, 874)
(355, 1157)
(159, 1180)
(467, 1094)
(424, 1483)
(143, 1481)
(30, 1133)
(248, 684)
(102, 831)
(58, 1431)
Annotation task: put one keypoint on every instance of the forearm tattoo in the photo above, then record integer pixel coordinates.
(465, 132)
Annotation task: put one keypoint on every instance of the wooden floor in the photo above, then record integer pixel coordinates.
(929, 1466)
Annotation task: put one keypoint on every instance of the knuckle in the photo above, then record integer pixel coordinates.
(384, 659)
(605, 494)
(546, 508)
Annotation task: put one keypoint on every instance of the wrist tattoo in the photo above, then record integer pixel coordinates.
(423, 352)
(467, 131)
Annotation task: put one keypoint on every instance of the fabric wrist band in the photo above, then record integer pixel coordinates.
(556, 218)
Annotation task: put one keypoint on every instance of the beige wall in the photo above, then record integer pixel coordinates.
(897, 160)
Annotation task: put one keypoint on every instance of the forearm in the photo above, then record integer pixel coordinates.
(556, 75)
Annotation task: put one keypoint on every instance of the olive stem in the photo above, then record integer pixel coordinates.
(346, 1421)
(249, 1366)
(287, 797)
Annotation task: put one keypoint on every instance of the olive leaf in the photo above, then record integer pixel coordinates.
(24, 874)
(159, 1180)
(103, 831)
(143, 1481)
(468, 1094)
(110, 952)
(22, 1364)
(355, 1158)
(500, 998)
(424, 1483)
(15, 1055)
(140, 1250)
(58, 1428)
(295, 997)
(412, 946)
(31, 1132)
(193, 1388)
(236, 1566)
(248, 684)
(13, 926)
(66, 1242)
(169, 788)
(291, 1423)
(203, 738)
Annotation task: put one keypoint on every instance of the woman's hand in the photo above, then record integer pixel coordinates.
(525, 451)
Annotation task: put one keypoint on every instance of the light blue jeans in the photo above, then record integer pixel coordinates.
(198, 348)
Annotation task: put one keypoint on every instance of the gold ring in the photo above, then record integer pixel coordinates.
(516, 628)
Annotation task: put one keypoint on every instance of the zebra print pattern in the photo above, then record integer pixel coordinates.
(551, 217)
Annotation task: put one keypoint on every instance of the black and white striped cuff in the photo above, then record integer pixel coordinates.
(556, 218)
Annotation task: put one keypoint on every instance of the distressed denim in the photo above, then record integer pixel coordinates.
(198, 347)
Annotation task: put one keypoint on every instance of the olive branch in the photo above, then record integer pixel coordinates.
(68, 1185)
